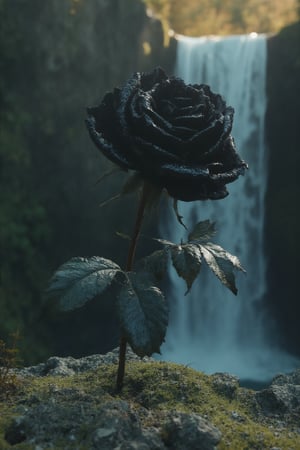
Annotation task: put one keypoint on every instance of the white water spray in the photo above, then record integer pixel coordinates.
(211, 329)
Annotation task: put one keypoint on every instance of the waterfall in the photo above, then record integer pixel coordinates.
(211, 329)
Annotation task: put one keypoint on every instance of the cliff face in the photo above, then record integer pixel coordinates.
(282, 210)
(77, 51)
(57, 58)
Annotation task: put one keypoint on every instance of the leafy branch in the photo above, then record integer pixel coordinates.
(143, 313)
(187, 257)
(80, 280)
(139, 304)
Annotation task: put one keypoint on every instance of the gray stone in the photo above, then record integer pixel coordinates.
(148, 440)
(57, 366)
(101, 433)
(121, 429)
(78, 419)
(225, 384)
(183, 431)
(269, 403)
(237, 417)
(282, 396)
(291, 378)
(116, 423)
(15, 433)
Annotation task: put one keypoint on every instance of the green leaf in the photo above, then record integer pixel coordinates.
(81, 279)
(143, 314)
(187, 262)
(203, 231)
(155, 264)
(222, 264)
(220, 253)
(187, 257)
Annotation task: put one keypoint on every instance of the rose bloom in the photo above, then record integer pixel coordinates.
(175, 135)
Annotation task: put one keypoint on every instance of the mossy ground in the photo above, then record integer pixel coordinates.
(155, 387)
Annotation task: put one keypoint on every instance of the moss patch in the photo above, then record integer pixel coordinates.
(151, 389)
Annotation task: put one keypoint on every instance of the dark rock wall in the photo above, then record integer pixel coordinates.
(282, 200)
(57, 57)
(80, 54)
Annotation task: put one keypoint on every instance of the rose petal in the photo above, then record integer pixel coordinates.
(197, 182)
(116, 155)
(126, 94)
(150, 155)
(176, 135)
(207, 143)
(196, 191)
(148, 124)
(149, 79)
(230, 158)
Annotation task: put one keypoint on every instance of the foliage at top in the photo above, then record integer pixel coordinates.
(223, 17)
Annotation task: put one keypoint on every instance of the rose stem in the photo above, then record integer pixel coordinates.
(129, 264)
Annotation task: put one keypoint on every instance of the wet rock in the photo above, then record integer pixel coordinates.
(225, 384)
(183, 431)
(237, 417)
(111, 425)
(70, 416)
(282, 396)
(15, 432)
(269, 402)
(57, 366)
(284, 379)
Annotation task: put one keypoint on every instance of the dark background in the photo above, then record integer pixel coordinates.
(56, 58)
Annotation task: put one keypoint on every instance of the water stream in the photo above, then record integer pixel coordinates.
(211, 329)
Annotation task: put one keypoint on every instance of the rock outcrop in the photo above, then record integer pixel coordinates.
(68, 403)
(282, 214)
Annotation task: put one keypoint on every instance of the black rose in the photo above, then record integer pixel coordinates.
(177, 136)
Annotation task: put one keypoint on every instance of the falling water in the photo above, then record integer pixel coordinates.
(211, 329)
